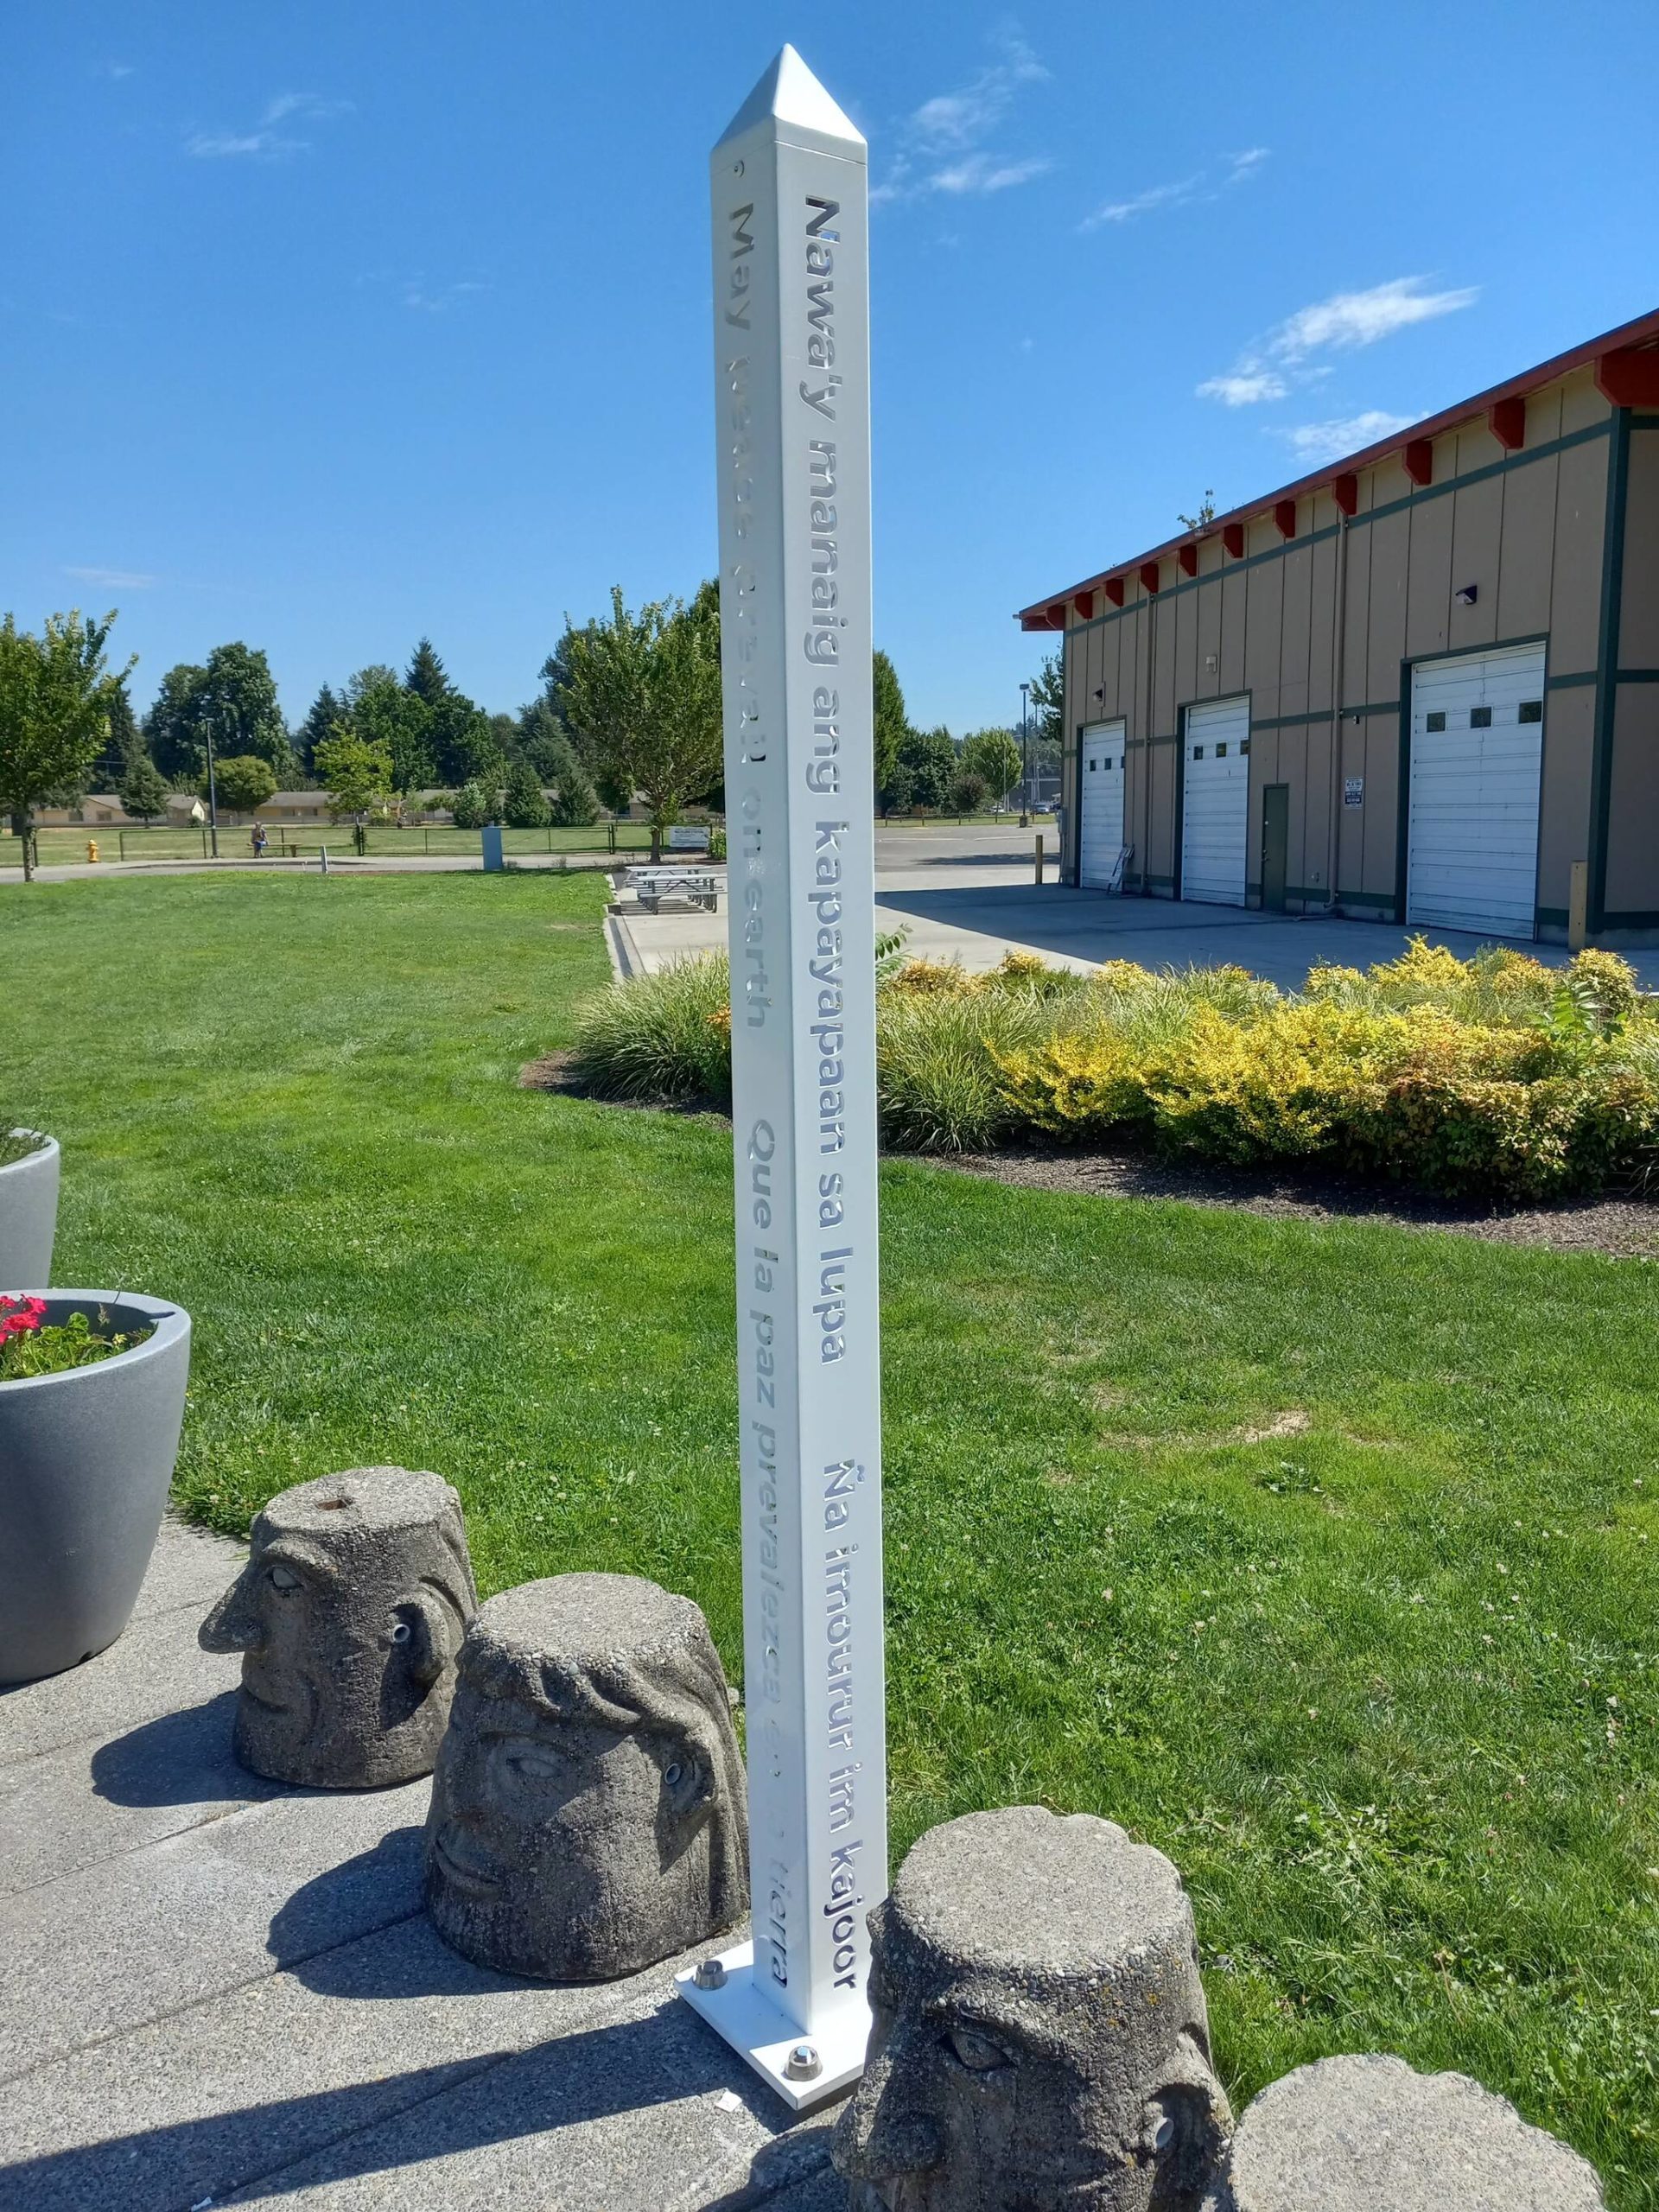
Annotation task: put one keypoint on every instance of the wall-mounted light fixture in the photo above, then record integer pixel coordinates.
(1468, 596)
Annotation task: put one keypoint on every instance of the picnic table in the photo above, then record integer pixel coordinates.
(699, 884)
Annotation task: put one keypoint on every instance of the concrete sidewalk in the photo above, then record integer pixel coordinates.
(957, 905)
(218, 1991)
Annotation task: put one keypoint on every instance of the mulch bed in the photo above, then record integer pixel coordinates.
(1625, 1228)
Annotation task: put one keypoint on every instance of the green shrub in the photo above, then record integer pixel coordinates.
(666, 1037)
(473, 806)
(1491, 1076)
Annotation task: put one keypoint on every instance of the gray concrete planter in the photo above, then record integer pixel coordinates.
(28, 1216)
(86, 1458)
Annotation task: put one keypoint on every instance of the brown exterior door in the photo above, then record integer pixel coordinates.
(1275, 845)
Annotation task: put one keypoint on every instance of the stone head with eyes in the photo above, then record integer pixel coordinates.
(1038, 2042)
(349, 1616)
(589, 1811)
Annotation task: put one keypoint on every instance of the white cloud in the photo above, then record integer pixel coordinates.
(1361, 318)
(944, 153)
(266, 143)
(983, 172)
(1281, 360)
(962, 117)
(1204, 185)
(1144, 203)
(1317, 441)
(112, 579)
(1244, 387)
(311, 105)
(437, 299)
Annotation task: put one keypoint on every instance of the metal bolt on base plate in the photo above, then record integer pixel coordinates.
(802, 2063)
(710, 1975)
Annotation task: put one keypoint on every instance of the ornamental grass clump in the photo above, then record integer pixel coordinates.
(665, 1037)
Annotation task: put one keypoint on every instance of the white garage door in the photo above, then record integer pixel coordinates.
(1215, 802)
(1477, 761)
(1101, 832)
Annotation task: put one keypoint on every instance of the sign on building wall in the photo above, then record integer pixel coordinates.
(793, 412)
(1353, 790)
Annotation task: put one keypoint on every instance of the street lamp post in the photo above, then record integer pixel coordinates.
(213, 787)
(1025, 757)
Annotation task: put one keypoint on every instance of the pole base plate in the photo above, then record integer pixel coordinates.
(743, 2014)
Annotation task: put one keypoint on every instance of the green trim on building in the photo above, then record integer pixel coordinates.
(1613, 585)
(1388, 898)
(1319, 715)
(1638, 676)
(1555, 916)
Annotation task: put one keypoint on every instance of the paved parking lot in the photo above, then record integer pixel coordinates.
(971, 896)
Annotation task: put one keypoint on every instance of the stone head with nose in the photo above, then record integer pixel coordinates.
(589, 1811)
(1038, 2041)
(349, 1616)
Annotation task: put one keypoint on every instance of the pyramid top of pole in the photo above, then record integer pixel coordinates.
(799, 112)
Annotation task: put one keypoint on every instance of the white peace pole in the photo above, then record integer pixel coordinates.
(791, 362)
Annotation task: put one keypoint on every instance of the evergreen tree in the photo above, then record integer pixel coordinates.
(425, 675)
(473, 805)
(142, 790)
(325, 710)
(524, 804)
(112, 762)
(575, 804)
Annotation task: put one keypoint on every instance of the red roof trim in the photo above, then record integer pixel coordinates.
(1115, 590)
(1643, 331)
(1232, 536)
(1188, 556)
(1419, 461)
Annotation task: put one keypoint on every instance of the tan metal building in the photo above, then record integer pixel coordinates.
(1421, 685)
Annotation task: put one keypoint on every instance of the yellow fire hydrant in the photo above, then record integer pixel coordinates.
(91, 848)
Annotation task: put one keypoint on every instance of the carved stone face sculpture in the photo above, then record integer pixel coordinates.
(589, 1811)
(348, 1616)
(1040, 2041)
(1367, 2134)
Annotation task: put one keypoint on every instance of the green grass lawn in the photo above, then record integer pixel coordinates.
(1383, 1683)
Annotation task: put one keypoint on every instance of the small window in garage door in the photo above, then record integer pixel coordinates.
(1101, 823)
(1216, 801)
(1477, 767)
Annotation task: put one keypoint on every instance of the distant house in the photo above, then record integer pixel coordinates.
(295, 807)
(184, 808)
(101, 809)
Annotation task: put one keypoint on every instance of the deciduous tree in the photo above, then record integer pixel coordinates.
(54, 712)
(241, 783)
(355, 771)
(642, 692)
(994, 754)
(888, 721)
(385, 712)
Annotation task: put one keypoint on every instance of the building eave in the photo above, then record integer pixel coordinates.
(1049, 612)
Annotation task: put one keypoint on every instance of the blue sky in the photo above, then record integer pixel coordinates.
(327, 324)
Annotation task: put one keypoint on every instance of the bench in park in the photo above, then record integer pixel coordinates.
(700, 885)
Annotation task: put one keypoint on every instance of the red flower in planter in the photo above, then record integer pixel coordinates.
(18, 1315)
